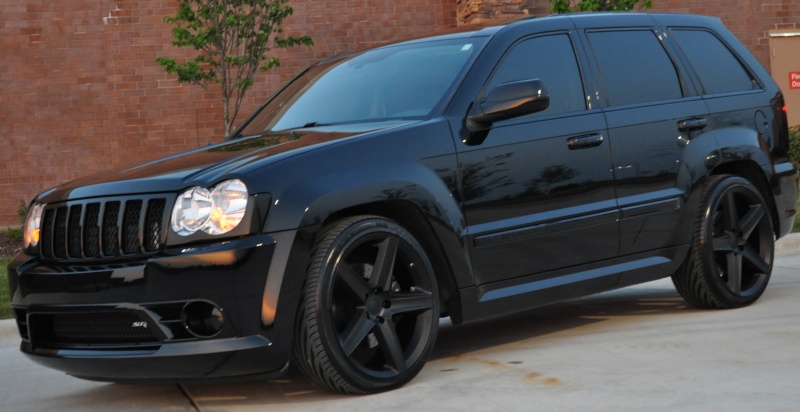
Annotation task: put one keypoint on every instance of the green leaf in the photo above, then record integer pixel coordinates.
(232, 39)
(565, 6)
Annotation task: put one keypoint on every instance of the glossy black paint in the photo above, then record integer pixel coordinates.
(162, 285)
(525, 212)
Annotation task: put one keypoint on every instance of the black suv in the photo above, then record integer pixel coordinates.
(467, 175)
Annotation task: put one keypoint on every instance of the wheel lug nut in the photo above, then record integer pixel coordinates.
(387, 304)
(379, 319)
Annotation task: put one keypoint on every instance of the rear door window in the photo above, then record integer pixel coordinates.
(635, 67)
(717, 67)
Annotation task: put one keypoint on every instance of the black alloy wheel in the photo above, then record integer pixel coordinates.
(370, 310)
(733, 247)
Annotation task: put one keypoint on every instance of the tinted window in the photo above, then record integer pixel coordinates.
(405, 81)
(719, 70)
(635, 67)
(550, 59)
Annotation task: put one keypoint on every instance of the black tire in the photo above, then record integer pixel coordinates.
(733, 245)
(369, 313)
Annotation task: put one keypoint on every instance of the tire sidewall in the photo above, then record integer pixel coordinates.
(349, 237)
(714, 200)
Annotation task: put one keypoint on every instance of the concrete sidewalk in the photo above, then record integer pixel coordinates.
(632, 349)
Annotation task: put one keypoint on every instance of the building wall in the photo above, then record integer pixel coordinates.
(749, 20)
(488, 11)
(82, 93)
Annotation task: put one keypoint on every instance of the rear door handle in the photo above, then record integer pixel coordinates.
(689, 125)
(582, 142)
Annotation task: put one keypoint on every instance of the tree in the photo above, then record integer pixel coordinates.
(568, 6)
(232, 38)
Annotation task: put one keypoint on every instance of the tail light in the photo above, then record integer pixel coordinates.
(781, 128)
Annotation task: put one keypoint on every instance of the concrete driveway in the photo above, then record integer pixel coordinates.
(639, 348)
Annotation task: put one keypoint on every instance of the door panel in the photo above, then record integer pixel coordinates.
(538, 191)
(650, 153)
(654, 117)
(534, 204)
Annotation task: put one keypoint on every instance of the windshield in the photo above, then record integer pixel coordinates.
(392, 83)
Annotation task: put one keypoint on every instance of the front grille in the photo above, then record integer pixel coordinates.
(106, 327)
(99, 326)
(109, 228)
(102, 327)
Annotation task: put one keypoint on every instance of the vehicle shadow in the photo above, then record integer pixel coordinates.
(577, 316)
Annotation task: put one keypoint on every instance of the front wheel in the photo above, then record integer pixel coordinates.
(732, 247)
(369, 313)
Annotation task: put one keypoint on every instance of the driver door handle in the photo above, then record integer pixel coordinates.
(689, 125)
(583, 142)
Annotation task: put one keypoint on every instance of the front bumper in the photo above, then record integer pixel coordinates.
(128, 321)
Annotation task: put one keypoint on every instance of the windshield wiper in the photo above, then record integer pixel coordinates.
(305, 126)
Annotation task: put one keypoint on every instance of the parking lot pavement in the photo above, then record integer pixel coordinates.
(631, 349)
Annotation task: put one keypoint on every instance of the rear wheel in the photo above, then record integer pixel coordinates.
(370, 310)
(732, 247)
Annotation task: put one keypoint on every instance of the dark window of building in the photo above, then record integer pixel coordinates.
(550, 59)
(719, 70)
(635, 67)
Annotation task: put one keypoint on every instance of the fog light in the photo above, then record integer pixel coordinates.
(202, 319)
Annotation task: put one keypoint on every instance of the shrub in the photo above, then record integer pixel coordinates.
(794, 144)
(794, 155)
(5, 295)
(15, 233)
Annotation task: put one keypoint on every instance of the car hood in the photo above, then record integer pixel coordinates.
(208, 165)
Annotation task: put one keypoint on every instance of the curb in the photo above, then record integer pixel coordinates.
(788, 244)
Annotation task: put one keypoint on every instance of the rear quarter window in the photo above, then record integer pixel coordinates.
(718, 69)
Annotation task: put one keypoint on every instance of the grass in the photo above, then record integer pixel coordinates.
(796, 227)
(5, 296)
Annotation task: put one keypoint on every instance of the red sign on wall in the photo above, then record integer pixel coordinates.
(794, 80)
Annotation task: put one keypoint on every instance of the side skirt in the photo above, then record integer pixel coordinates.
(528, 292)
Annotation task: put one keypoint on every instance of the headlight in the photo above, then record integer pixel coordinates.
(33, 225)
(216, 211)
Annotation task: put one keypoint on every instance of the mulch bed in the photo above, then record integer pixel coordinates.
(8, 247)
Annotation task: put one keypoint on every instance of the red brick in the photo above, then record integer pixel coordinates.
(82, 91)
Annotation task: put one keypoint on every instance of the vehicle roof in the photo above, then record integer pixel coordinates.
(579, 19)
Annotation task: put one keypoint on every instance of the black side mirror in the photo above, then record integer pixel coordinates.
(506, 101)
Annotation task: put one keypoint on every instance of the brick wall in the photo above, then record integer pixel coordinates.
(82, 93)
(488, 11)
(749, 20)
